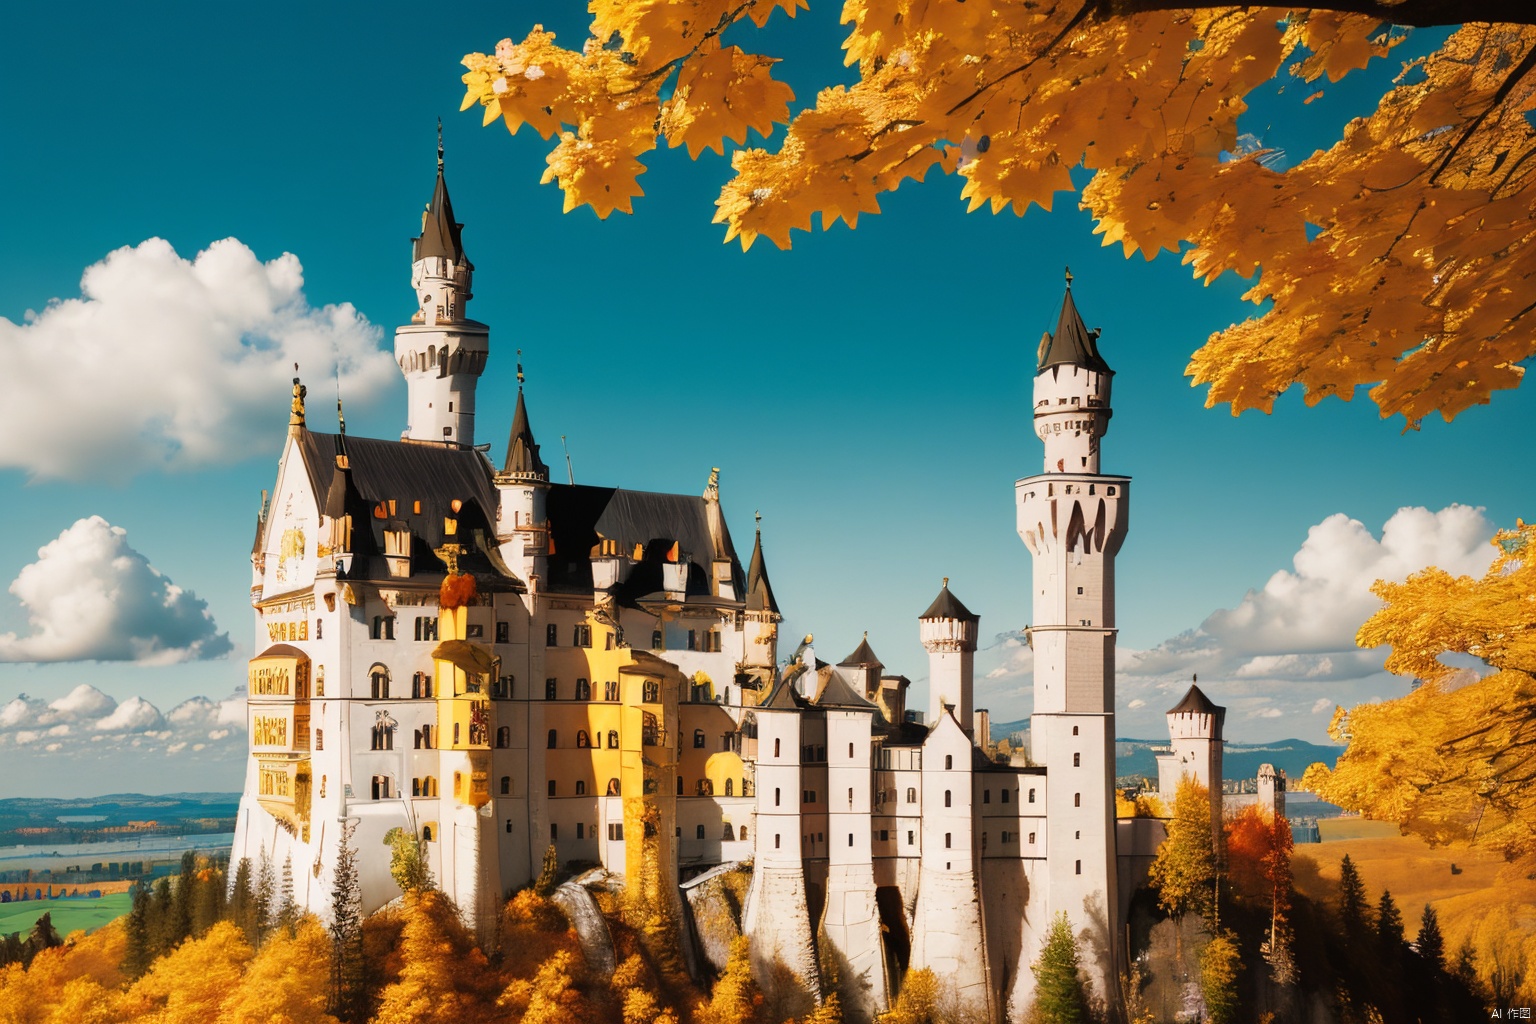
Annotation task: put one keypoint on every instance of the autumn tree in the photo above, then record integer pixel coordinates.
(408, 861)
(549, 872)
(188, 985)
(1397, 259)
(1220, 964)
(735, 997)
(288, 980)
(1185, 867)
(918, 1000)
(1059, 997)
(443, 977)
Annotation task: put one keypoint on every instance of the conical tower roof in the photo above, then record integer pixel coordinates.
(863, 655)
(522, 453)
(441, 235)
(948, 606)
(1197, 703)
(1073, 344)
(759, 590)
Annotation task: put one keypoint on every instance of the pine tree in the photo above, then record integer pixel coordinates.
(162, 926)
(1220, 964)
(1431, 941)
(1058, 991)
(347, 990)
(266, 883)
(183, 896)
(287, 910)
(208, 906)
(139, 955)
(1352, 907)
(242, 901)
(549, 876)
(1389, 925)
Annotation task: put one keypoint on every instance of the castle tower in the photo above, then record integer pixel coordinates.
(1073, 519)
(1272, 790)
(948, 632)
(864, 666)
(522, 525)
(441, 352)
(851, 920)
(1194, 732)
(762, 621)
(777, 916)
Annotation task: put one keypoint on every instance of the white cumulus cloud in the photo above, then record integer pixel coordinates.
(133, 715)
(1322, 704)
(92, 597)
(174, 363)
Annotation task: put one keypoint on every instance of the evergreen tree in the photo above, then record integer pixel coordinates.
(242, 901)
(1389, 926)
(348, 998)
(162, 925)
(43, 936)
(1058, 991)
(138, 955)
(1352, 907)
(266, 883)
(1431, 941)
(1220, 964)
(287, 910)
(549, 875)
(208, 904)
(1466, 967)
(182, 898)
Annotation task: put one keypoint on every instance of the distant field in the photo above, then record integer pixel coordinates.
(1355, 828)
(1410, 868)
(68, 915)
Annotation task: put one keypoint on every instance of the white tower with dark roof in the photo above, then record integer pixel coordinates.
(948, 631)
(441, 351)
(1073, 519)
(1195, 749)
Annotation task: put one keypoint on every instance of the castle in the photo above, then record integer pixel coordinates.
(497, 663)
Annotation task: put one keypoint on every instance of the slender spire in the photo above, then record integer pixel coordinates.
(522, 453)
(441, 235)
(759, 590)
(1073, 344)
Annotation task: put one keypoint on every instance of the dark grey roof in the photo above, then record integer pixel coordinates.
(522, 452)
(948, 606)
(863, 655)
(380, 491)
(783, 697)
(759, 590)
(836, 693)
(1195, 702)
(441, 235)
(579, 515)
(1072, 344)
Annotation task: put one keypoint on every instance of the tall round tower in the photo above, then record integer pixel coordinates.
(1073, 519)
(441, 351)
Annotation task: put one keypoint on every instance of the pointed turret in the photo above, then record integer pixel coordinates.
(441, 235)
(523, 460)
(948, 631)
(759, 590)
(863, 656)
(1073, 344)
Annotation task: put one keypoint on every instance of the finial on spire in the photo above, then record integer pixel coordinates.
(946, 582)
(712, 489)
(757, 515)
(520, 377)
(1069, 269)
(439, 145)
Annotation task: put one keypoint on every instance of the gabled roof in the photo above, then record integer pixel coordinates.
(1196, 702)
(836, 693)
(783, 697)
(863, 655)
(522, 452)
(948, 606)
(1072, 344)
(441, 235)
(759, 590)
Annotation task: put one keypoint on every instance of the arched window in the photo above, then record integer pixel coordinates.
(581, 787)
(775, 796)
(582, 739)
(415, 787)
(504, 736)
(610, 691)
(946, 798)
(655, 639)
(583, 690)
(775, 840)
(383, 737)
(949, 761)
(698, 832)
(319, 632)
(509, 826)
(728, 787)
(381, 787)
(727, 834)
(775, 748)
(426, 833)
(378, 677)
(613, 787)
(650, 692)
(850, 751)
(429, 786)
(698, 738)
(506, 785)
(1077, 760)
(552, 739)
(613, 739)
(743, 833)
(911, 794)
(1077, 799)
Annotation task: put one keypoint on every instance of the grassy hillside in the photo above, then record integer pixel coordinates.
(68, 914)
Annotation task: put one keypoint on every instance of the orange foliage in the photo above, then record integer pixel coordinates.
(457, 590)
(1259, 857)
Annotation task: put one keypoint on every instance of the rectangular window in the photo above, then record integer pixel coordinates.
(474, 631)
(549, 689)
(946, 840)
(909, 837)
(503, 632)
(554, 831)
(1031, 839)
(1031, 796)
(581, 635)
(693, 640)
(389, 627)
(616, 831)
(1006, 835)
(581, 831)
(1005, 796)
(551, 635)
(551, 787)
(986, 796)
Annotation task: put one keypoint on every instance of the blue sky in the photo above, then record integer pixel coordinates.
(867, 391)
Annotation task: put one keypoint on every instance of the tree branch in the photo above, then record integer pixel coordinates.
(1418, 13)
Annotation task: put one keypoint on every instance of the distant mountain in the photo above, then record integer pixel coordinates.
(90, 814)
(1239, 760)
